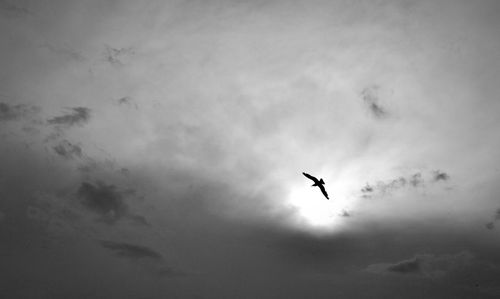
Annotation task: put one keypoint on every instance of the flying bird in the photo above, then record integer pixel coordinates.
(319, 183)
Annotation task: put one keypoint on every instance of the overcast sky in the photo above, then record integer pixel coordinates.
(155, 149)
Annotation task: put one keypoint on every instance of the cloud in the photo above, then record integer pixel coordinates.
(68, 150)
(387, 187)
(13, 10)
(141, 220)
(370, 97)
(148, 258)
(78, 116)
(108, 201)
(105, 200)
(131, 251)
(440, 176)
(345, 214)
(64, 51)
(416, 179)
(392, 185)
(14, 112)
(127, 101)
(124, 100)
(367, 189)
(491, 225)
(118, 56)
(426, 265)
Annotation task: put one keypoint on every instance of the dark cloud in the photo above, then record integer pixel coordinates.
(9, 9)
(78, 116)
(367, 189)
(391, 185)
(15, 112)
(345, 214)
(118, 56)
(108, 201)
(491, 225)
(124, 100)
(127, 101)
(383, 187)
(408, 266)
(370, 97)
(94, 165)
(68, 150)
(416, 179)
(386, 187)
(130, 251)
(440, 176)
(105, 200)
(427, 265)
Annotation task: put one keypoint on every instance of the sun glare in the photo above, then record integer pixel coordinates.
(315, 211)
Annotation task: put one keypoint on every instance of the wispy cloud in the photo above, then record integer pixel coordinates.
(77, 116)
(371, 100)
(496, 217)
(131, 251)
(425, 265)
(14, 112)
(148, 258)
(104, 200)
(415, 180)
(490, 225)
(440, 176)
(64, 51)
(13, 10)
(108, 201)
(127, 101)
(68, 150)
(118, 56)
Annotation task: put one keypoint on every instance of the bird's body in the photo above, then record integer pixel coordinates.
(317, 183)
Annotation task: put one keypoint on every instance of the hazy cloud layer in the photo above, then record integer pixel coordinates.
(389, 100)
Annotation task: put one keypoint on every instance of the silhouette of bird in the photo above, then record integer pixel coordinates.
(319, 183)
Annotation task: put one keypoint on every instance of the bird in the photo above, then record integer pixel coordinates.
(319, 183)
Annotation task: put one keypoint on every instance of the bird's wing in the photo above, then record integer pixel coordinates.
(323, 190)
(315, 180)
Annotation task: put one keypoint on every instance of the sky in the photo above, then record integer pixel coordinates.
(155, 149)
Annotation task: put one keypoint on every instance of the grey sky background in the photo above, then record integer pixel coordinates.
(154, 149)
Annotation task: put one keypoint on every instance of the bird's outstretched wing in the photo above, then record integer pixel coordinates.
(323, 190)
(315, 180)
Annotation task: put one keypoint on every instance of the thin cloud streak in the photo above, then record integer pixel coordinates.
(78, 116)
